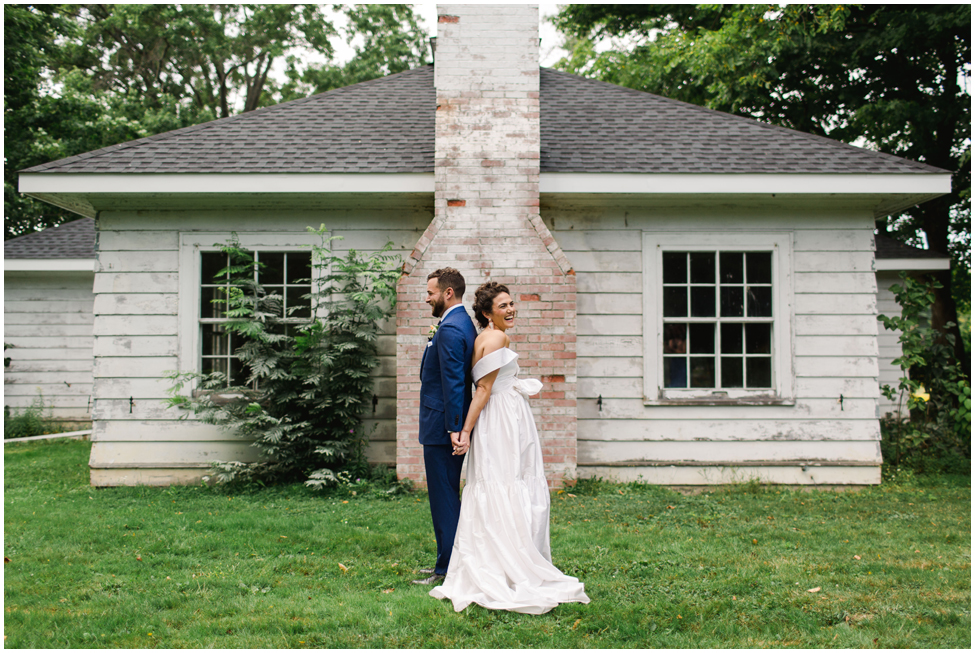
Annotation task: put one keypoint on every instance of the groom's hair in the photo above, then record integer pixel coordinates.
(449, 278)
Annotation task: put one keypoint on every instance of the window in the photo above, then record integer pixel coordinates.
(286, 274)
(204, 343)
(717, 318)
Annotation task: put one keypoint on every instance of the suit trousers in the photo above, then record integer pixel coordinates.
(443, 485)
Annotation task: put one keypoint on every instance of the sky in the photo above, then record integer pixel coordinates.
(550, 50)
(427, 13)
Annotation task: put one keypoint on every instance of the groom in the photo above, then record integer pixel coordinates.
(445, 396)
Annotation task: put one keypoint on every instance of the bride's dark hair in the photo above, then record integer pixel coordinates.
(484, 300)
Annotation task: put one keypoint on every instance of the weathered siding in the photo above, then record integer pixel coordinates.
(834, 338)
(47, 316)
(137, 339)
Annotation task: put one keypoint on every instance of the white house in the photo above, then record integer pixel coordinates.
(698, 291)
(48, 317)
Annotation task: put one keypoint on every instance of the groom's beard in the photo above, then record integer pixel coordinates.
(438, 307)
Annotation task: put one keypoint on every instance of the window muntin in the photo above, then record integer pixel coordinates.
(284, 273)
(719, 309)
(717, 312)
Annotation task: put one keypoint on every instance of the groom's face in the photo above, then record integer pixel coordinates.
(436, 298)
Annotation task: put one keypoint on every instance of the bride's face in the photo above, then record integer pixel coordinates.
(503, 312)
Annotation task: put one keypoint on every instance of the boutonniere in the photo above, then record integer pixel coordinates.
(432, 332)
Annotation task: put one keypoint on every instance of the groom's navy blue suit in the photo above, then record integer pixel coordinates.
(445, 397)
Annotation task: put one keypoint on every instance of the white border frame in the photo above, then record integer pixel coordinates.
(190, 245)
(783, 315)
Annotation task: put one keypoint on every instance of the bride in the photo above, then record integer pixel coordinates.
(501, 558)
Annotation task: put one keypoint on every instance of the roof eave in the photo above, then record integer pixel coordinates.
(49, 265)
(914, 264)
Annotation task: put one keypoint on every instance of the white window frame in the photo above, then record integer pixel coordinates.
(783, 365)
(191, 244)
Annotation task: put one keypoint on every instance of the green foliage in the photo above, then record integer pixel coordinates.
(32, 420)
(79, 78)
(881, 76)
(933, 388)
(308, 383)
(392, 41)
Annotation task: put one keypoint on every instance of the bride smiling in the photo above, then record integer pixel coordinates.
(501, 557)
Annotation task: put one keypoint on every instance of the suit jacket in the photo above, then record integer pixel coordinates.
(445, 378)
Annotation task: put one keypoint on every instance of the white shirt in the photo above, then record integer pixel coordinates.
(448, 310)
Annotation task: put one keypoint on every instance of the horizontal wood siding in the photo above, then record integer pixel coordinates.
(835, 350)
(137, 341)
(48, 319)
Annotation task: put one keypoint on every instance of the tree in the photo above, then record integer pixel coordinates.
(880, 76)
(392, 42)
(82, 77)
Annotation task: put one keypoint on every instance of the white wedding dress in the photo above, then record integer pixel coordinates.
(501, 557)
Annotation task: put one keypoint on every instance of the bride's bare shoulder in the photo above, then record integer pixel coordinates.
(490, 340)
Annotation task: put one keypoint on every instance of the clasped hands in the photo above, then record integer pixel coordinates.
(461, 441)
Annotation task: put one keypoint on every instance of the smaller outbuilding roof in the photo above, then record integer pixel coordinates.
(74, 240)
(887, 247)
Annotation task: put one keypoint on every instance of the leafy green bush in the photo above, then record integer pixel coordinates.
(31, 421)
(307, 384)
(936, 434)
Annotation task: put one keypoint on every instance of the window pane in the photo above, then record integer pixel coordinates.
(702, 338)
(702, 372)
(214, 365)
(733, 302)
(702, 301)
(273, 301)
(759, 266)
(731, 267)
(293, 299)
(675, 267)
(210, 264)
(702, 267)
(675, 302)
(299, 267)
(675, 338)
(758, 338)
(272, 270)
(759, 301)
(731, 338)
(731, 372)
(216, 340)
(237, 372)
(675, 372)
(759, 372)
(208, 308)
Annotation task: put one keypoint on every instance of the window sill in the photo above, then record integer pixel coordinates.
(720, 400)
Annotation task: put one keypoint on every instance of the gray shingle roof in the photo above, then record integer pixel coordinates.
(387, 125)
(75, 239)
(887, 247)
(383, 125)
(591, 126)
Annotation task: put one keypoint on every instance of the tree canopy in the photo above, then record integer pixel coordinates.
(81, 77)
(885, 77)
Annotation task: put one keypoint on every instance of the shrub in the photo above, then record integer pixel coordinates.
(307, 384)
(936, 433)
(29, 422)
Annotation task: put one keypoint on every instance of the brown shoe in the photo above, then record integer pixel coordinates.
(427, 571)
(434, 579)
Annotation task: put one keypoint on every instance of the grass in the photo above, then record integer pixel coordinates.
(195, 567)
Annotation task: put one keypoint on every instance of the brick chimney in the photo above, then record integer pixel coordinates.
(487, 225)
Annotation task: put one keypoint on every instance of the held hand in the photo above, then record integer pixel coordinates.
(461, 441)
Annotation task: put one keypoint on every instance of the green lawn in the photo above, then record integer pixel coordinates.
(287, 568)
